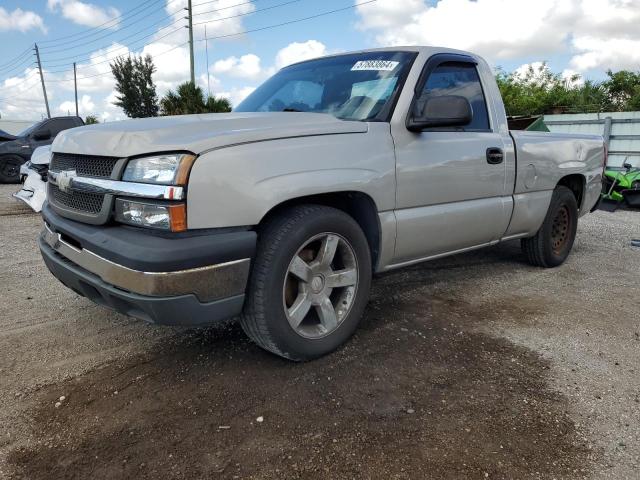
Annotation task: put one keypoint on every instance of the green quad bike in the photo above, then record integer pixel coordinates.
(621, 186)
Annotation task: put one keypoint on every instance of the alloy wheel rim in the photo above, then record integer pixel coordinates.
(560, 229)
(320, 285)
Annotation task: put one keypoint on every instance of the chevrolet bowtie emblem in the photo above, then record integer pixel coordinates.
(64, 179)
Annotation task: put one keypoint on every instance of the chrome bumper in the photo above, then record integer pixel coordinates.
(207, 283)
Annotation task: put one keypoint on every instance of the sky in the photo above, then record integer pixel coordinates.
(248, 43)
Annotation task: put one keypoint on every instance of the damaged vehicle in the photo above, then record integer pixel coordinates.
(15, 150)
(335, 169)
(33, 176)
(622, 186)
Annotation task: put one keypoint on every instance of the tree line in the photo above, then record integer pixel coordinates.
(539, 91)
(536, 91)
(136, 92)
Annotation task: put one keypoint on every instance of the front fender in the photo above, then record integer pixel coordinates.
(238, 185)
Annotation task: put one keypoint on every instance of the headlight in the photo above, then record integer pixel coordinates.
(171, 217)
(169, 169)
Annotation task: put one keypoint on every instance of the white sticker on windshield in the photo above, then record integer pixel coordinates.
(375, 65)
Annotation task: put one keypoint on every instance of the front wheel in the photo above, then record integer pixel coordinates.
(551, 245)
(10, 168)
(309, 284)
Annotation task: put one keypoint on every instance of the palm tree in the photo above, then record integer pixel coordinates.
(218, 105)
(189, 98)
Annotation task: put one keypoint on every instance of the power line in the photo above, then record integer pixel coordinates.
(108, 34)
(223, 8)
(109, 23)
(111, 60)
(120, 40)
(75, 57)
(18, 57)
(286, 23)
(204, 3)
(27, 61)
(243, 14)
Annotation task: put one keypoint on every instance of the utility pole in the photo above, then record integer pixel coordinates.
(75, 86)
(206, 47)
(44, 90)
(190, 18)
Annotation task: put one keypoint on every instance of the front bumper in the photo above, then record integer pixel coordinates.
(193, 291)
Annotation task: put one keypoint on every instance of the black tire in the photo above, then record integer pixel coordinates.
(551, 245)
(264, 318)
(10, 168)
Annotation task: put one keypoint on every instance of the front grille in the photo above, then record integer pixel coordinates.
(80, 201)
(84, 165)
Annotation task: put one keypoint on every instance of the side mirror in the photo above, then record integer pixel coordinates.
(627, 165)
(444, 111)
(43, 134)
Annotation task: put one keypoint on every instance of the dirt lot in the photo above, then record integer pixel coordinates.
(475, 366)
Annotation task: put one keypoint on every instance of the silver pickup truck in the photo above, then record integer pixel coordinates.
(333, 170)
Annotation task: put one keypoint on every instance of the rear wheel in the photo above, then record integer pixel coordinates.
(10, 168)
(309, 283)
(551, 245)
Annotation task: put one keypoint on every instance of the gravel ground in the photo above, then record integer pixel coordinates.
(474, 366)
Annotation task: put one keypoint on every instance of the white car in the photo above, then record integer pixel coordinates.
(33, 175)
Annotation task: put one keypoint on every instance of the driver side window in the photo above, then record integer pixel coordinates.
(460, 79)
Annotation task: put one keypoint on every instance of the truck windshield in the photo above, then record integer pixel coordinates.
(350, 87)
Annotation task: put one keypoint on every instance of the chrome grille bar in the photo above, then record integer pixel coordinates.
(103, 186)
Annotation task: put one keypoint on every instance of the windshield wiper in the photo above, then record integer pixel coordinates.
(292, 110)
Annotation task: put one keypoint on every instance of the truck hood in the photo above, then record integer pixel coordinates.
(197, 133)
(5, 137)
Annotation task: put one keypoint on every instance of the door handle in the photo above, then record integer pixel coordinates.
(495, 156)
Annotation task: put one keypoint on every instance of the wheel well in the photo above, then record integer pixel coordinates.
(575, 183)
(358, 205)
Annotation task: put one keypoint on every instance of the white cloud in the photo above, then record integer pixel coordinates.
(539, 73)
(247, 66)
(298, 52)
(237, 95)
(85, 107)
(20, 20)
(572, 78)
(606, 53)
(598, 33)
(84, 13)
(172, 64)
(23, 94)
(497, 28)
(214, 82)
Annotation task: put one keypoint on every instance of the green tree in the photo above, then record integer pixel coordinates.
(134, 83)
(624, 89)
(189, 98)
(91, 120)
(539, 91)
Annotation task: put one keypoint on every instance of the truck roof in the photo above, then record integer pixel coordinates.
(429, 50)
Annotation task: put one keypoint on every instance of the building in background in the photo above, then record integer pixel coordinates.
(621, 131)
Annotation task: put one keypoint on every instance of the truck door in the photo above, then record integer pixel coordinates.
(451, 182)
